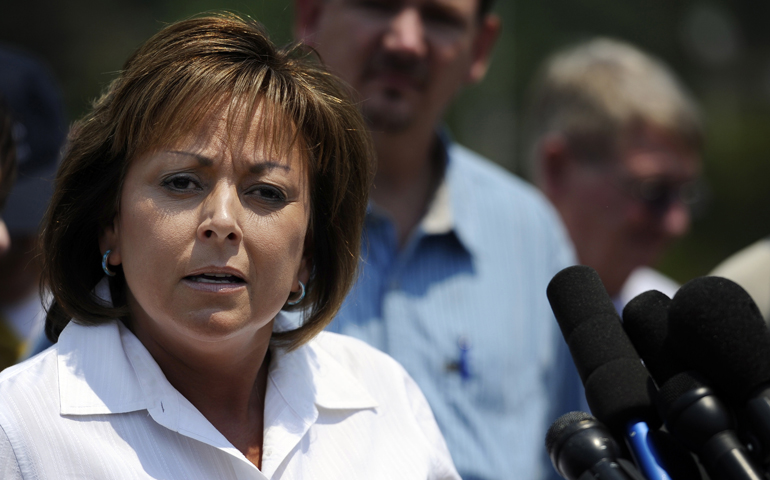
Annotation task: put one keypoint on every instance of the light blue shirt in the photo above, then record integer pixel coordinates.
(462, 306)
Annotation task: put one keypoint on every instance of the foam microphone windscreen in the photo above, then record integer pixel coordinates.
(616, 382)
(718, 331)
(645, 320)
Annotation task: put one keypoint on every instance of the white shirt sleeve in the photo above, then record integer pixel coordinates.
(9, 465)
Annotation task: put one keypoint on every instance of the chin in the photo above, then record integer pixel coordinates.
(220, 326)
(390, 118)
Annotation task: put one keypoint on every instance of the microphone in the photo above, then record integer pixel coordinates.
(718, 329)
(582, 448)
(645, 321)
(616, 383)
(695, 416)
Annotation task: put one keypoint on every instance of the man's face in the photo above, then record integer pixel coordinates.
(406, 58)
(622, 214)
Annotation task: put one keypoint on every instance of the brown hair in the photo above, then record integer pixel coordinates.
(7, 153)
(165, 91)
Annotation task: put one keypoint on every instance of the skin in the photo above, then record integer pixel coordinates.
(5, 238)
(407, 59)
(210, 205)
(614, 231)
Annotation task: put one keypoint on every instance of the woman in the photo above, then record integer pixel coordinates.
(216, 183)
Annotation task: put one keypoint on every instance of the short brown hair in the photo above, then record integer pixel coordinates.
(164, 92)
(591, 92)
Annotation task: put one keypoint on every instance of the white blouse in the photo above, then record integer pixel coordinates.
(97, 406)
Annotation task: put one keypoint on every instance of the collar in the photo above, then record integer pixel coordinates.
(311, 376)
(105, 369)
(449, 211)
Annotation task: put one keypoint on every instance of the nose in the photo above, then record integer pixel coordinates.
(406, 33)
(220, 214)
(5, 238)
(676, 220)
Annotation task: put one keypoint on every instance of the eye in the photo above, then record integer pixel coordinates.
(443, 18)
(268, 193)
(181, 183)
(379, 7)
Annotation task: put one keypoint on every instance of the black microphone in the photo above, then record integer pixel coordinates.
(617, 385)
(720, 332)
(697, 418)
(582, 448)
(645, 321)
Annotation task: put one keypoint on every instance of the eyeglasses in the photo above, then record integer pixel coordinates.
(658, 195)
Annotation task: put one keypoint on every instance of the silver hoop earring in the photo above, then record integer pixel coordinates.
(301, 295)
(106, 269)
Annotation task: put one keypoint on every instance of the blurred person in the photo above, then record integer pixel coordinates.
(217, 183)
(7, 169)
(750, 268)
(39, 131)
(458, 252)
(9, 344)
(615, 144)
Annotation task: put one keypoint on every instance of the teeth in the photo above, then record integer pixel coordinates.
(211, 280)
(215, 278)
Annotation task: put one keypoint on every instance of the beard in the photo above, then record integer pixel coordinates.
(387, 115)
(388, 109)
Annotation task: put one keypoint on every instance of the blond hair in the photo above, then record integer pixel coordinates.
(591, 93)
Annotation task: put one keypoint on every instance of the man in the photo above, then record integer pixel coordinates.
(458, 252)
(615, 143)
(39, 130)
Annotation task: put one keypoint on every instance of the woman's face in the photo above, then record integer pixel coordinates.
(211, 234)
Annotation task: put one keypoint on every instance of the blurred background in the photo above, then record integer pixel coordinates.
(720, 49)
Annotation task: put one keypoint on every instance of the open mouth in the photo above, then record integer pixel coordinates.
(215, 278)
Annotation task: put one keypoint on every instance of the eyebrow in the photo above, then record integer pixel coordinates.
(256, 168)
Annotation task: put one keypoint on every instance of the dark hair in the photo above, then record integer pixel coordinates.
(163, 93)
(7, 153)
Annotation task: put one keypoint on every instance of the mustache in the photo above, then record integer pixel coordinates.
(407, 66)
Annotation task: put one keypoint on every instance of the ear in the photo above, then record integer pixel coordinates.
(306, 15)
(306, 264)
(305, 267)
(109, 239)
(485, 40)
(554, 159)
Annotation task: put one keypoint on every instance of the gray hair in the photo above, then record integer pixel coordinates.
(592, 92)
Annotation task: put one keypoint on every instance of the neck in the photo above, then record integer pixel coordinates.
(407, 177)
(226, 381)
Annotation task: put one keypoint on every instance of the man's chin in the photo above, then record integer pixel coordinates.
(388, 119)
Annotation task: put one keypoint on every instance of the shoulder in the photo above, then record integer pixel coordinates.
(359, 358)
(479, 169)
(493, 207)
(745, 262)
(491, 183)
(750, 268)
(36, 372)
(29, 402)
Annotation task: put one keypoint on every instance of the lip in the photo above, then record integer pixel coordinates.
(216, 287)
(218, 270)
